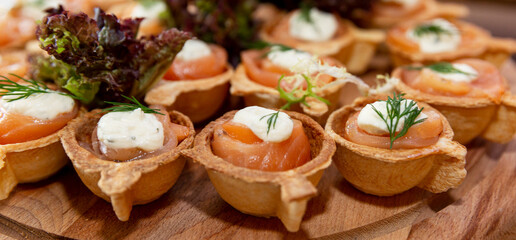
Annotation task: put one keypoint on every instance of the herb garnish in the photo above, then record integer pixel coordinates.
(12, 88)
(127, 107)
(291, 99)
(425, 29)
(395, 113)
(272, 46)
(442, 67)
(304, 9)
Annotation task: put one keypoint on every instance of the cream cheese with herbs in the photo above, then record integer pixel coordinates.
(320, 27)
(255, 118)
(194, 49)
(371, 122)
(134, 129)
(42, 106)
(435, 36)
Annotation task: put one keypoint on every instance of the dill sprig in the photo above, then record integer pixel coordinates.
(12, 88)
(425, 29)
(395, 113)
(127, 107)
(291, 100)
(304, 9)
(276, 46)
(441, 67)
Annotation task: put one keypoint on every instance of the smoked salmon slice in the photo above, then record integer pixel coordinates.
(205, 67)
(17, 128)
(488, 84)
(418, 136)
(238, 145)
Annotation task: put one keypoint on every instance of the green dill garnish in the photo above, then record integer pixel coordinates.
(292, 99)
(304, 9)
(425, 29)
(12, 88)
(128, 107)
(272, 46)
(147, 3)
(395, 113)
(441, 67)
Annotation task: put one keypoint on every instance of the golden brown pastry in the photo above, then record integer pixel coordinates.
(264, 191)
(471, 93)
(425, 157)
(439, 39)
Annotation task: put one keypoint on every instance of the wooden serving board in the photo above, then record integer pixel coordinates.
(483, 206)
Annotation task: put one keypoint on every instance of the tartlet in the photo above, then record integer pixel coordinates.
(30, 161)
(124, 184)
(283, 194)
(258, 94)
(352, 46)
(198, 99)
(469, 117)
(475, 43)
(386, 172)
(421, 10)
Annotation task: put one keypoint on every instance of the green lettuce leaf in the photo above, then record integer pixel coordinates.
(101, 57)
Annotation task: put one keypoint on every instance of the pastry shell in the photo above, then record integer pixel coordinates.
(255, 94)
(124, 184)
(429, 9)
(484, 46)
(354, 47)
(469, 117)
(198, 99)
(282, 194)
(386, 172)
(30, 161)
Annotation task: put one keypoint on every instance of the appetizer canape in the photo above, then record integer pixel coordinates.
(150, 11)
(31, 117)
(265, 162)
(197, 82)
(439, 39)
(128, 156)
(387, 13)
(471, 93)
(265, 77)
(324, 34)
(385, 147)
(13, 62)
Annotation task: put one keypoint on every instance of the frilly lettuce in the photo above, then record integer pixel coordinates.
(101, 57)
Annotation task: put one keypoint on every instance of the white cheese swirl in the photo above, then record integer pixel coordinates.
(194, 49)
(42, 106)
(288, 59)
(369, 121)
(255, 118)
(135, 129)
(431, 42)
(151, 11)
(469, 73)
(322, 26)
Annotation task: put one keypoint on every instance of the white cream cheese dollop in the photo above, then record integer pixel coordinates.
(469, 75)
(194, 49)
(369, 121)
(253, 118)
(322, 27)
(152, 11)
(134, 129)
(288, 59)
(42, 106)
(436, 43)
(35, 8)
